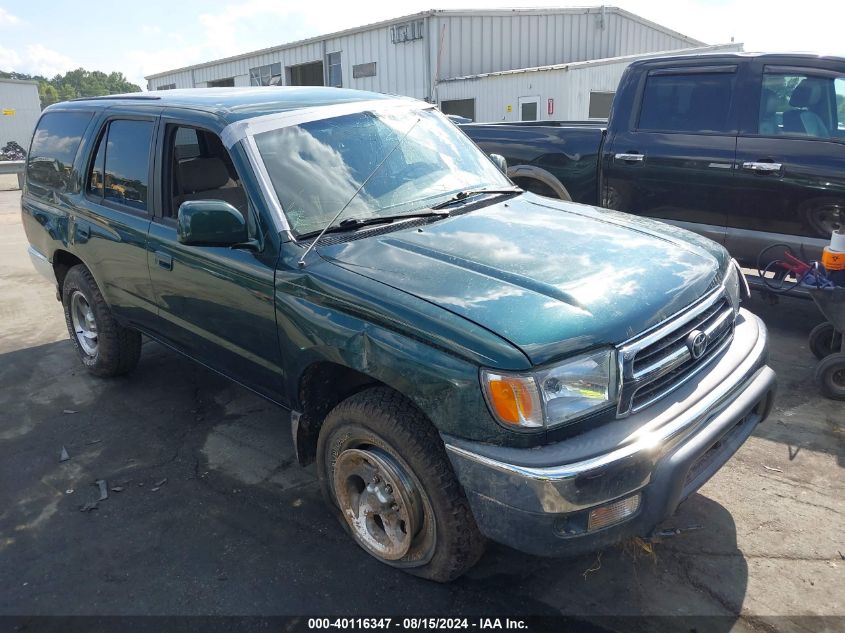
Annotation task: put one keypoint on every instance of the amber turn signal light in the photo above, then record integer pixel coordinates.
(514, 399)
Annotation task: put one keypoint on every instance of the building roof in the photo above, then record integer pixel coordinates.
(429, 13)
(234, 104)
(28, 82)
(699, 50)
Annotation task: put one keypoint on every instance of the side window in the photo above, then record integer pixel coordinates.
(796, 104)
(335, 74)
(695, 102)
(201, 169)
(268, 75)
(121, 169)
(186, 143)
(96, 180)
(53, 150)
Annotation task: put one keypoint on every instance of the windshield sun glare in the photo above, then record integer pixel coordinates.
(316, 167)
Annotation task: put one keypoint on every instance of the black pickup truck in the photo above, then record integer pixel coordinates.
(746, 149)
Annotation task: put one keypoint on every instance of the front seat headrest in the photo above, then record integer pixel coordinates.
(806, 94)
(202, 174)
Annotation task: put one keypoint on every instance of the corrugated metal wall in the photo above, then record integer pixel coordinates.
(239, 68)
(182, 79)
(479, 43)
(400, 68)
(628, 35)
(569, 87)
(19, 100)
(472, 42)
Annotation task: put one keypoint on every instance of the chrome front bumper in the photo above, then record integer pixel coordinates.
(653, 452)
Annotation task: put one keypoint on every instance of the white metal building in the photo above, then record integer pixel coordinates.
(442, 56)
(571, 92)
(20, 108)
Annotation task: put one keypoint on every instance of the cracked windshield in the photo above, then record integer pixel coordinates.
(317, 167)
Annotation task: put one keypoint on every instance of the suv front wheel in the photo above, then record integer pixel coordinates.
(105, 347)
(383, 466)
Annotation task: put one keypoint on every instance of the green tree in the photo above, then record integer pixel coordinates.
(48, 94)
(76, 83)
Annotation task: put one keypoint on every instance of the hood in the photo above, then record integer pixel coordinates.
(551, 277)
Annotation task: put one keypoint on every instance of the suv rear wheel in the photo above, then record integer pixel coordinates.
(105, 347)
(384, 468)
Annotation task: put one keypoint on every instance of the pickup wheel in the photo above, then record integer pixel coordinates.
(824, 340)
(822, 215)
(384, 468)
(535, 186)
(105, 347)
(830, 376)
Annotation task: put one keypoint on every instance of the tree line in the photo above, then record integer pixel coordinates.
(76, 83)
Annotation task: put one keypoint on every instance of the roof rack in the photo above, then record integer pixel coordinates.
(140, 97)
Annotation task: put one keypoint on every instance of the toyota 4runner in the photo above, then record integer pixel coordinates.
(462, 360)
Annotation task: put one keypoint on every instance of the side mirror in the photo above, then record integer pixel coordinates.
(501, 163)
(210, 223)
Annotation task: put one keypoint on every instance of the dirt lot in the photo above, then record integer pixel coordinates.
(215, 518)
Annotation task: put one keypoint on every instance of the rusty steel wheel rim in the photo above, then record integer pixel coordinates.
(379, 500)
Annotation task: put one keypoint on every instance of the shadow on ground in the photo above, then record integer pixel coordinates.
(801, 419)
(212, 516)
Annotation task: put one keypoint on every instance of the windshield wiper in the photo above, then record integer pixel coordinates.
(328, 226)
(350, 224)
(463, 195)
(386, 219)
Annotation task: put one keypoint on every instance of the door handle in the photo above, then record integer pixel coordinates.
(763, 168)
(164, 261)
(631, 157)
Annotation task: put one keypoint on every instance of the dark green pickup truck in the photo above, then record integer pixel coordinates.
(463, 360)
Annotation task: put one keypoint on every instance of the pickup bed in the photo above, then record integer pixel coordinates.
(746, 149)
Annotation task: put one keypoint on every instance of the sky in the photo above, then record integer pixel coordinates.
(140, 38)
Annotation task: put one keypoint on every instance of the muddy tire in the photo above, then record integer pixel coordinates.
(383, 468)
(104, 346)
(824, 340)
(830, 376)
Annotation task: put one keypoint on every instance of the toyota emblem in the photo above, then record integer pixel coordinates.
(697, 343)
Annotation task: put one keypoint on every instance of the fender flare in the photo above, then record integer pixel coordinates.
(541, 175)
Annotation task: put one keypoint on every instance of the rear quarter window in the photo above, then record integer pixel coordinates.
(54, 146)
(693, 103)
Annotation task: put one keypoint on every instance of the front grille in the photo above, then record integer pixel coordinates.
(659, 362)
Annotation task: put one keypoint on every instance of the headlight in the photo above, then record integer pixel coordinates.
(553, 396)
(736, 285)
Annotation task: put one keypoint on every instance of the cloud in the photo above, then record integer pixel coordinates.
(40, 60)
(35, 59)
(222, 27)
(7, 19)
(228, 28)
(717, 21)
(140, 62)
(9, 59)
(225, 32)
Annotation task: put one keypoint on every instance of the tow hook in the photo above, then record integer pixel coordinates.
(662, 535)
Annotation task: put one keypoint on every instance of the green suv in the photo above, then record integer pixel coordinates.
(462, 360)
